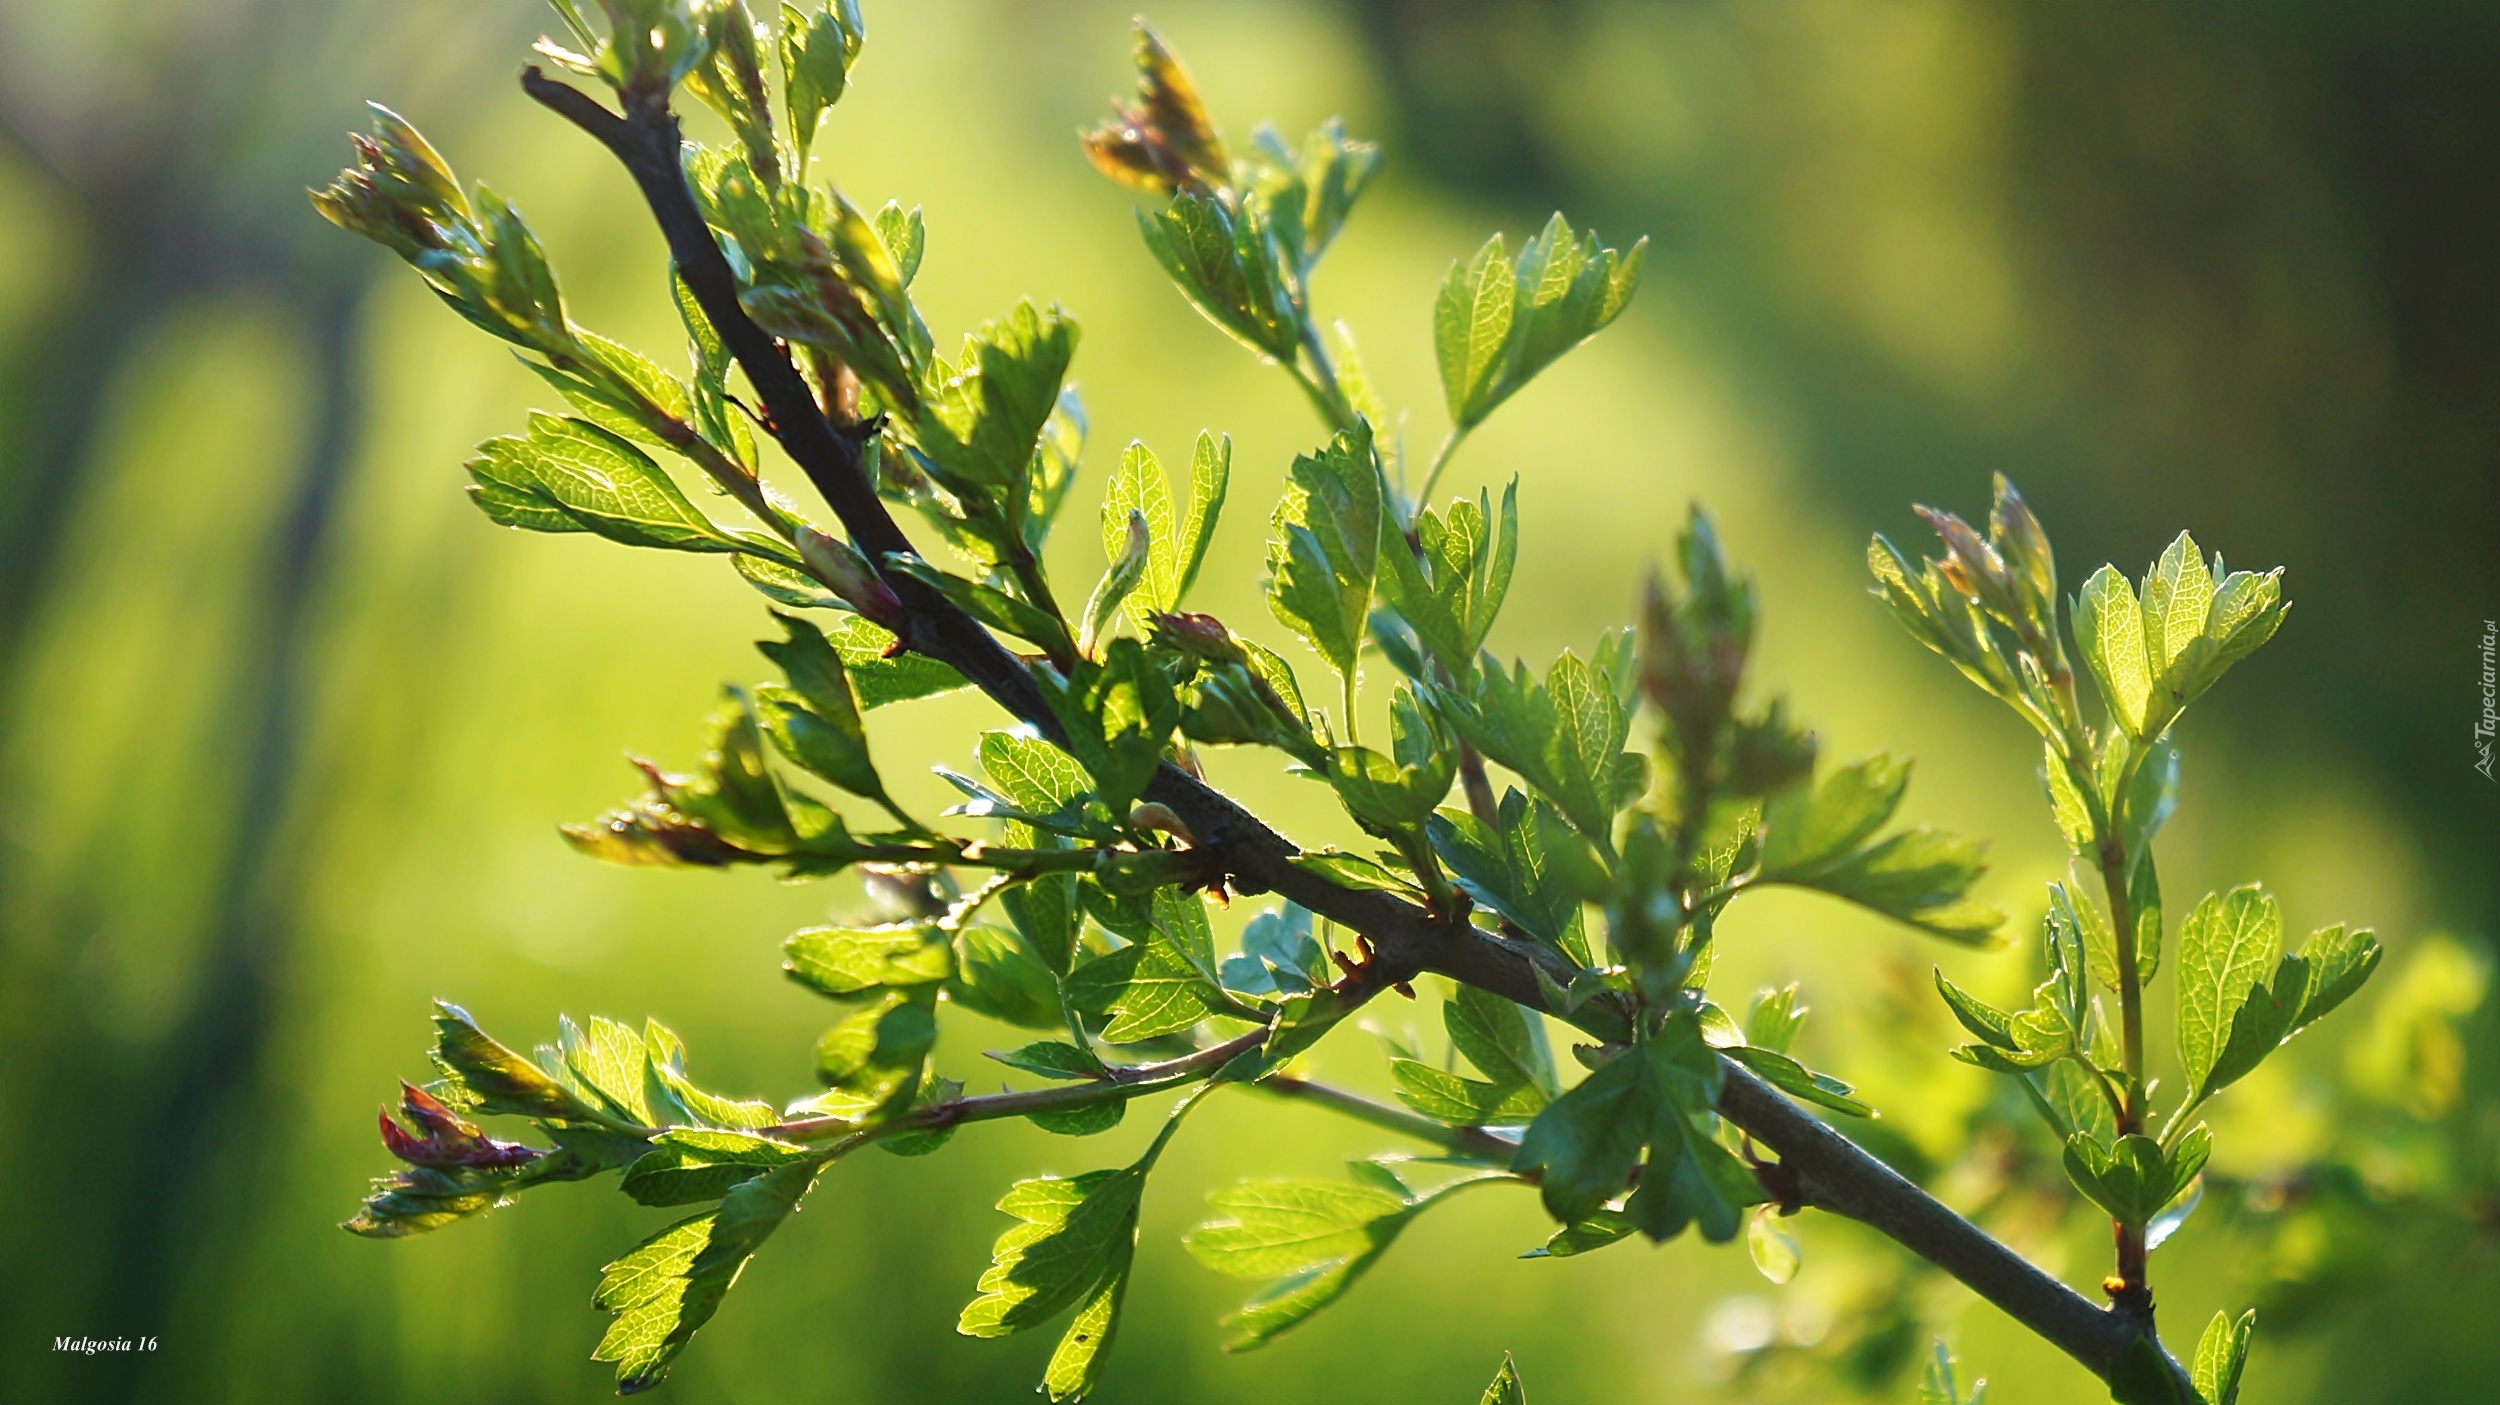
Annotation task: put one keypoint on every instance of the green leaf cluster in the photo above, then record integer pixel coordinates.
(1645, 1108)
(1499, 321)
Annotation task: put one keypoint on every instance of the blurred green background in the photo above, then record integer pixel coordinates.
(285, 727)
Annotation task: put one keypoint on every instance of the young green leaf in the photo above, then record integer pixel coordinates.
(1509, 868)
(2133, 1180)
(672, 1283)
(1506, 1389)
(998, 975)
(816, 55)
(1471, 324)
(2110, 631)
(1210, 474)
(1600, 1229)
(569, 475)
(1502, 1039)
(1119, 716)
(1938, 1384)
(850, 961)
(1564, 736)
(1497, 323)
(1585, 1145)
(983, 417)
(1316, 1238)
(1132, 562)
(692, 1163)
(1459, 1101)
(1327, 546)
(1229, 269)
(1807, 830)
(1138, 487)
(1450, 590)
(2221, 1355)
(2226, 946)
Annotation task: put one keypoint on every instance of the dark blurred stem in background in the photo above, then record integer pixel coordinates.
(145, 1141)
(204, 1093)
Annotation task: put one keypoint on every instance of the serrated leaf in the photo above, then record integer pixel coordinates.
(1497, 323)
(1919, 876)
(2110, 632)
(1510, 869)
(1809, 829)
(879, 677)
(1210, 475)
(1317, 1238)
(1563, 735)
(1501, 1038)
(1163, 995)
(1471, 321)
(848, 961)
(1327, 547)
(1463, 1102)
(1052, 1059)
(1119, 716)
(694, 1163)
(1450, 589)
(2226, 946)
(1137, 486)
(998, 975)
(1795, 1079)
(672, 1283)
(2132, 1179)
(983, 417)
(596, 481)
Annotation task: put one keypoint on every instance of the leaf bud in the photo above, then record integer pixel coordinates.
(1164, 141)
(848, 575)
(1200, 637)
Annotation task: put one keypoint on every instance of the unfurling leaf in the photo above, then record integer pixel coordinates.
(1450, 590)
(816, 55)
(2133, 1179)
(1163, 141)
(1506, 1389)
(2221, 1355)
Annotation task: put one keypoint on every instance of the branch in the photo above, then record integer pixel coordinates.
(1411, 940)
(1833, 1173)
(1122, 1084)
(1465, 1141)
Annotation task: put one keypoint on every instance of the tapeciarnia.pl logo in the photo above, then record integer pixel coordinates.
(2489, 722)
